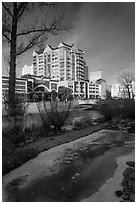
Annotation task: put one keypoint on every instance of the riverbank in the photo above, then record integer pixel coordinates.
(58, 172)
(30, 150)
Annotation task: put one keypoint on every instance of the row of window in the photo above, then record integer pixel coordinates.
(93, 91)
(4, 81)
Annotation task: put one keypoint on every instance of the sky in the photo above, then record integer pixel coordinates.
(105, 31)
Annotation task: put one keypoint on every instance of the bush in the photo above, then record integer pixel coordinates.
(128, 109)
(15, 136)
(21, 106)
(124, 109)
(57, 113)
(13, 158)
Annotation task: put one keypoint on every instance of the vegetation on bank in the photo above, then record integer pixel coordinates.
(122, 109)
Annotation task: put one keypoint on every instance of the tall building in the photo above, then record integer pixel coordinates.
(64, 62)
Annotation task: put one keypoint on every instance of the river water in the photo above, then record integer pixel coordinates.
(77, 180)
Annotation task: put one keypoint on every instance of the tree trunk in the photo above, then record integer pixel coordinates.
(129, 97)
(12, 73)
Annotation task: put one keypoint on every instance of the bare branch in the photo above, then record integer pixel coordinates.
(35, 39)
(21, 8)
(9, 40)
(7, 9)
(126, 79)
(54, 27)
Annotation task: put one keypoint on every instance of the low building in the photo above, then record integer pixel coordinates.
(102, 88)
(79, 88)
(99, 85)
(93, 90)
(20, 86)
(37, 83)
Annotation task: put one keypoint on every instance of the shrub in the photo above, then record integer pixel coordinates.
(13, 158)
(124, 109)
(128, 109)
(107, 112)
(57, 113)
(21, 106)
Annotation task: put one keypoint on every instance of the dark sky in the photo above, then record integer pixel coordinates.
(104, 31)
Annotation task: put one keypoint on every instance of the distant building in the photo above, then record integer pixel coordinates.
(96, 78)
(64, 62)
(96, 75)
(102, 88)
(119, 91)
(93, 90)
(115, 91)
(27, 69)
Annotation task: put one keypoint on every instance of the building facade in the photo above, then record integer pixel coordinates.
(93, 90)
(96, 79)
(79, 88)
(64, 62)
(20, 86)
(37, 84)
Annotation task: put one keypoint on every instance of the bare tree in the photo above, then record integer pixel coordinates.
(126, 79)
(22, 33)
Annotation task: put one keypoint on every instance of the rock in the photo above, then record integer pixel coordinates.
(119, 193)
(131, 163)
(67, 162)
(127, 171)
(76, 153)
(94, 123)
(124, 182)
(67, 128)
(125, 196)
(30, 140)
(132, 175)
(131, 183)
(132, 197)
(77, 174)
(126, 190)
(21, 144)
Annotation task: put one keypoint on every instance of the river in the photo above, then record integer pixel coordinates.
(76, 180)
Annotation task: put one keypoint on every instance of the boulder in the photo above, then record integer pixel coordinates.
(127, 171)
(130, 163)
(125, 196)
(125, 181)
(132, 175)
(126, 190)
(119, 193)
